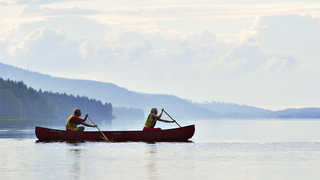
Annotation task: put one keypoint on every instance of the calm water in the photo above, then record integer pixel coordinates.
(228, 149)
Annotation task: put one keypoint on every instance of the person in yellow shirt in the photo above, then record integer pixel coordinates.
(74, 120)
(153, 118)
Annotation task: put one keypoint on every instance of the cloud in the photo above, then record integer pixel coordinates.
(110, 48)
(39, 2)
(280, 64)
(250, 59)
(245, 58)
(290, 35)
(44, 49)
(4, 3)
(159, 50)
(75, 11)
(58, 44)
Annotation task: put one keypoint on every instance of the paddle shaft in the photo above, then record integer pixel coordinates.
(105, 137)
(171, 118)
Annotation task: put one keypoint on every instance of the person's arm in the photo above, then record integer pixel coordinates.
(88, 125)
(167, 121)
(162, 120)
(157, 117)
(82, 121)
(78, 120)
(86, 117)
(161, 113)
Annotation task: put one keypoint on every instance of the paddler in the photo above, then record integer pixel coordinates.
(153, 118)
(74, 120)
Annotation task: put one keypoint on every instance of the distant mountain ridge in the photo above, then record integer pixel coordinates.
(122, 97)
(230, 110)
(311, 113)
(106, 92)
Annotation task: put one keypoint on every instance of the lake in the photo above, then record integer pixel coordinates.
(220, 149)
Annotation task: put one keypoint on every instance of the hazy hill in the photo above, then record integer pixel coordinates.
(106, 92)
(299, 113)
(230, 110)
(122, 97)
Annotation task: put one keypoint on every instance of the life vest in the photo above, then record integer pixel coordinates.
(70, 126)
(150, 122)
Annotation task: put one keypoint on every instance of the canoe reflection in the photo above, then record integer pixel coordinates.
(75, 154)
(152, 151)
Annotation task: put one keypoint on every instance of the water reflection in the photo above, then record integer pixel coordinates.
(75, 154)
(152, 151)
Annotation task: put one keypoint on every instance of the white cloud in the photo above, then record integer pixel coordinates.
(44, 49)
(229, 52)
(279, 64)
(294, 36)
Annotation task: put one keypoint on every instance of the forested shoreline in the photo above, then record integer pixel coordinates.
(25, 105)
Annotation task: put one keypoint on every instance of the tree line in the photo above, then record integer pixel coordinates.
(23, 103)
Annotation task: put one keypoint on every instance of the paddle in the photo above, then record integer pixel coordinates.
(105, 137)
(171, 118)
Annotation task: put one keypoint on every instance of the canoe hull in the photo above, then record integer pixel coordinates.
(166, 135)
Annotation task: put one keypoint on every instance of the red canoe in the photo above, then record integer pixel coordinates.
(165, 135)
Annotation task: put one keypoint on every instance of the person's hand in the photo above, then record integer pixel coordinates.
(173, 121)
(162, 109)
(94, 125)
(86, 115)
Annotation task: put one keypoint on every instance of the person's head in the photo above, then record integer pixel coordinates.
(77, 112)
(154, 111)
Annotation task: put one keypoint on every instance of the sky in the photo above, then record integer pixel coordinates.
(263, 53)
